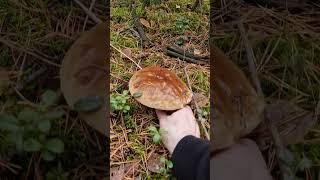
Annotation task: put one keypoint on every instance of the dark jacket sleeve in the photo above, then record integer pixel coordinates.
(191, 159)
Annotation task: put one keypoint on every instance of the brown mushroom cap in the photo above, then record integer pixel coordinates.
(159, 89)
(237, 109)
(81, 76)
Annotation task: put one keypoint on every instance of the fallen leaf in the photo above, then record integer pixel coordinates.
(196, 51)
(145, 23)
(153, 163)
(200, 99)
(131, 169)
(117, 173)
(126, 51)
(293, 122)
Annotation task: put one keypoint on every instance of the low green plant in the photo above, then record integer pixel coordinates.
(57, 173)
(156, 134)
(119, 102)
(29, 129)
(182, 24)
(166, 166)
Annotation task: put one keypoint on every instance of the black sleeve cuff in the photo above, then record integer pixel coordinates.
(191, 159)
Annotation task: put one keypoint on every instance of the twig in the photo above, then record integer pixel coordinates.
(179, 50)
(188, 59)
(197, 108)
(90, 9)
(14, 45)
(251, 59)
(88, 12)
(31, 78)
(126, 56)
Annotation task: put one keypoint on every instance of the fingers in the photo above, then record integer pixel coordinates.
(161, 115)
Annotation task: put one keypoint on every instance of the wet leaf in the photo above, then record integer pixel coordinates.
(145, 23)
(49, 98)
(292, 121)
(305, 163)
(48, 156)
(117, 173)
(137, 94)
(126, 51)
(89, 104)
(153, 163)
(31, 145)
(44, 125)
(8, 122)
(28, 115)
(55, 145)
(200, 99)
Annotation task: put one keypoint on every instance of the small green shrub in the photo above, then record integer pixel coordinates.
(29, 129)
(119, 103)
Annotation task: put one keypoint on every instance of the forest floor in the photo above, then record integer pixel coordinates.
(35, 35)
(286, 46)
(136, 151)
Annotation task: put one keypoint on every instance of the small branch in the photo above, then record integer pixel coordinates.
(182, 57)
(31, 78)
(179, 50)
(126, 56)
(88, 12)
(251, 59)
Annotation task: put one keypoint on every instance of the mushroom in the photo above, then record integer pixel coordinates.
(237, 109)
(83, 74)
(159, 88)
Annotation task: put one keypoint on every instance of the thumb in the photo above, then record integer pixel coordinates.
(161, 115)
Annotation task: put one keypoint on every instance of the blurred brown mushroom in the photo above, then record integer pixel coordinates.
(159, 88)
(83, 74)
(237, 109)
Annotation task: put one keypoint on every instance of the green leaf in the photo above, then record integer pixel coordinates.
(55, 145)
(47, 156)
(152, 129)
(305, 163)
(169, 164)
(28, 115)
(137, 94)
(162, 131)
(127, 108)
(44, 125)
(31, 145)
(180, 41)
(8, 122)
(156, 138)
(89, 104)
(162, 160)
(49, 98)
(53, 115)
(17, 139)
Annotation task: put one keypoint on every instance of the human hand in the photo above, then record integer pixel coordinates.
(176, 126)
